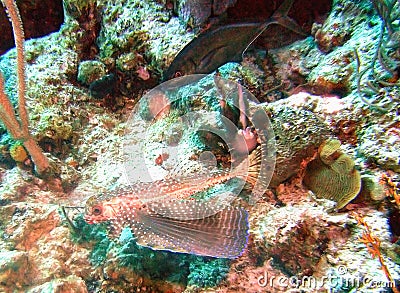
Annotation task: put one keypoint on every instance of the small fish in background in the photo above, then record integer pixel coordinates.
(163, 216)
(224, 44)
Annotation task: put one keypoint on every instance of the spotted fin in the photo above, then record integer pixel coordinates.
(115, 228)
(223, 235)
(192, 209)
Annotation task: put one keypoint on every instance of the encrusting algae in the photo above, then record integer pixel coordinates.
(332, 174)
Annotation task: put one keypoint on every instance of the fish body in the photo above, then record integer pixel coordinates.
(220, 45)
(162, 217)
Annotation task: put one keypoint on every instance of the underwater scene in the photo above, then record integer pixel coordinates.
(200, 146)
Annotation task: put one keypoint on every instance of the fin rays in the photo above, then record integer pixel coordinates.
(192, 209)
(221, 235)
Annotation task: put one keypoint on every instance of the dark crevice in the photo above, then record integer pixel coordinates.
(39, 17)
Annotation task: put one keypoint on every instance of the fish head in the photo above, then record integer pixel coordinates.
(180, 66)
(97, 211)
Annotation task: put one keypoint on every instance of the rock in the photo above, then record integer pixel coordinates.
(71, 284)
(381, 145)
(40, 18)
(294, 141)
(196, 12)
(296, 237)
(372, 188)
(89, 71)
(103, 86)
(13, 269)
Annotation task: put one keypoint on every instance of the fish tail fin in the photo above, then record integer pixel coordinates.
(224, 234)
(281, 17)
(283, 9)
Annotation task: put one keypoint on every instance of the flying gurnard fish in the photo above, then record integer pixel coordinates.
(162, 216)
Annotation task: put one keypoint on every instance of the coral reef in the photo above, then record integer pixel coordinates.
(294, 143)
(332, 174)
(330, 85)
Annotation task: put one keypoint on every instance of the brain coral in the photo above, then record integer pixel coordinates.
(332, 175)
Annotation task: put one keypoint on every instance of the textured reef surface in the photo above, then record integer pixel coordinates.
(330, 218)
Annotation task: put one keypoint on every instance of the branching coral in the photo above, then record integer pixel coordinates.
(19, 130)
(373, 245)
(387, 50)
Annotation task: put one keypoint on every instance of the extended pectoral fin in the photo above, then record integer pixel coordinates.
(222, 235)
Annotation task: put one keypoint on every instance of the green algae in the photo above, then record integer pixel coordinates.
(82, 233)
(174, 267)
(208, 272)
(161, 265)
(90, 70)
(141, 26)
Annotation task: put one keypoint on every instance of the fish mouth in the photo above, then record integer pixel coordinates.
(89, 220)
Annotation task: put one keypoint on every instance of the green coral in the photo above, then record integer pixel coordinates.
(207, 272)
(332, 175)
(82, 232)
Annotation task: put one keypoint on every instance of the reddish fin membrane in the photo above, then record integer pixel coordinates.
(192, 209)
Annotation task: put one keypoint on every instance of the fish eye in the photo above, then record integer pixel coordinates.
(97, 210)
(178, 74)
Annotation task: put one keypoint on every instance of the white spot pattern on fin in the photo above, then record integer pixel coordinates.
(222, 235)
